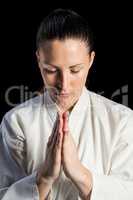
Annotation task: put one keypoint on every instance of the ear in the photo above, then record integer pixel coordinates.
(37, 55)
(91, 57)
(38, 58)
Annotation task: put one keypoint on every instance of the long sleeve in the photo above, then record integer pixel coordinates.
(118, 183)
(15, 183)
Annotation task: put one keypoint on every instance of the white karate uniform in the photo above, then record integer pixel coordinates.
(103, 134)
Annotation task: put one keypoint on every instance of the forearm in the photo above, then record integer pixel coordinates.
(44, 188)
(83, 182)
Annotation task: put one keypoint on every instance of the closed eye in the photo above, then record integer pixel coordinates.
(74, 71)
(50, 71)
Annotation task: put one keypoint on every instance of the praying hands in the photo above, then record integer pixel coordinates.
(61, 151)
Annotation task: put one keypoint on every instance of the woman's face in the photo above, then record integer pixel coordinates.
(64, 65)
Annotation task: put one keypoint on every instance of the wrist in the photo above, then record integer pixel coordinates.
(44, 180)
(83, 181)
(44, 186)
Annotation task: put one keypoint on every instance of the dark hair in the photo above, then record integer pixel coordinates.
(63, 23)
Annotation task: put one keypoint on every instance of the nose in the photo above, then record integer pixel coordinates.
(64, 82)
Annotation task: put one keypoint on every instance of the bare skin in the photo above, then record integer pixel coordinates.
(73, 168)
(64, 66)
(59, 148)
(47, 176)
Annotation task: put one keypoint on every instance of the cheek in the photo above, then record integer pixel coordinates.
(48, 79)
(79, 80)
(84, 76)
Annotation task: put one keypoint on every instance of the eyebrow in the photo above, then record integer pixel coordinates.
(58, 66)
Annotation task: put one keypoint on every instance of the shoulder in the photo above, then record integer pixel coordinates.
(108, 111)
(103, 104)
(111, 115)
(25, 111)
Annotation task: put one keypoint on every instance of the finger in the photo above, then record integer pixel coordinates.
(65, 123)
(52, 138)
(60, 133)
(60, 123)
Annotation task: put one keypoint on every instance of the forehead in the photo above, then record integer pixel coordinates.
(65, 52)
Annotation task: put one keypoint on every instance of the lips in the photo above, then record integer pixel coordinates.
(63, 95)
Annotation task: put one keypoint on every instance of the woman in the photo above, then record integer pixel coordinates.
(68, 143)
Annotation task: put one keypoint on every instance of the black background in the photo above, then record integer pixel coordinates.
(111, 24)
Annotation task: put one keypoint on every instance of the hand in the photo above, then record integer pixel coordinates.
(70, 160)
(50, 170)
(72, 166)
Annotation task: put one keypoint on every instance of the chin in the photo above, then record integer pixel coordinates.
(64, 106)
(63, 109)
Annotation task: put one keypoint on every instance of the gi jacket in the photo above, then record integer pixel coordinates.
(103, 134)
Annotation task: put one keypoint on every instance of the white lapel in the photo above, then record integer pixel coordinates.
(76, 116)
(51, 107)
